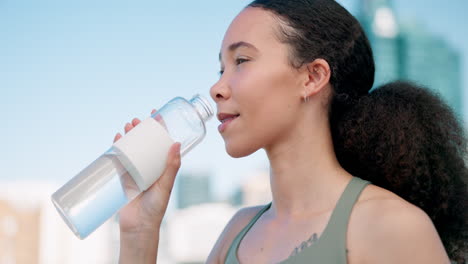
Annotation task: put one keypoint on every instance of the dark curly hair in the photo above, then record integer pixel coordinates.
(401, 137)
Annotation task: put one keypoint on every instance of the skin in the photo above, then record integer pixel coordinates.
(258, 83)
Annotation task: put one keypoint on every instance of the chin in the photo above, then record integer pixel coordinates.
(239, 151)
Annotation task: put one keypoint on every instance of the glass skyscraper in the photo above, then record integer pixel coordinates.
(407, 51)
(380, 24)
(430, 61)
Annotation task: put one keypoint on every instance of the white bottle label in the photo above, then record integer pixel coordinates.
(143, 152)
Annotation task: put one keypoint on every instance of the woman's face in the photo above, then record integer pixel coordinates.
(258, 94)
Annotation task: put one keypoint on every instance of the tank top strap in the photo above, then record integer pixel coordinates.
(231, 257)
(335, 234)
(331, 246)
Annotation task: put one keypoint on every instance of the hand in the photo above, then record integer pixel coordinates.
(145, 213)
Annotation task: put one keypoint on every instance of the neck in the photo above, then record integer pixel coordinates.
(305, 175)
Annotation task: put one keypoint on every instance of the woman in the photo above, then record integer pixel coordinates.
(295, 81)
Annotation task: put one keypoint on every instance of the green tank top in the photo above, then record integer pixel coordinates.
(330, 248)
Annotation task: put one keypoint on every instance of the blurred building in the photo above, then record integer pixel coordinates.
(255, 190)
(31, 230)
(408, 51)
(380, 24)
(193, 189)
(19, 233)
(192, 232)
(430, 61)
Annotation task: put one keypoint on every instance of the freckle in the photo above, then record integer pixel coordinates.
(261, 249)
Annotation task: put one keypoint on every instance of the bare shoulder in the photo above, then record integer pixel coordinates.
(233, 227)
(384, 228)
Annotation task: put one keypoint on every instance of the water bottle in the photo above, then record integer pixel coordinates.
(131, 165)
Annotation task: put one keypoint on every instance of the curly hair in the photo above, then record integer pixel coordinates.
(401, 137)
(406, 139)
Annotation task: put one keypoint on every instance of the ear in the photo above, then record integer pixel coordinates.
(317, 77)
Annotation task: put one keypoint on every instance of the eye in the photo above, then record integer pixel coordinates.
(237, 61)
(241, 60)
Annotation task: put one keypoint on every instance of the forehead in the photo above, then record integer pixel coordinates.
(252, 25)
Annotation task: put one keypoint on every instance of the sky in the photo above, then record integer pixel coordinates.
(72, 73)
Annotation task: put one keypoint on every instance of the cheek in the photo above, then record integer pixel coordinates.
(265, 98)
(262, 125)
(273, 121)
(249, 85)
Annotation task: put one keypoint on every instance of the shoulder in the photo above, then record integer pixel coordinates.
(385, 228)
(233, 227)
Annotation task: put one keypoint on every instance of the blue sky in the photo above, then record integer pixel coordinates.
(73, 72)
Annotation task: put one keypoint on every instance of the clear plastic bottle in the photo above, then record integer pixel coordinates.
(131, 165)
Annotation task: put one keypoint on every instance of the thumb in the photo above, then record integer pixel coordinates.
(166, 181)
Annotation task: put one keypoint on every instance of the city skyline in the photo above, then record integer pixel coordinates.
(72, 74)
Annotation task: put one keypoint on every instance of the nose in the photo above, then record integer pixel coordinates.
(220, 91)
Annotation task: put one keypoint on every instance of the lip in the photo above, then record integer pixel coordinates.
(223, 116)
(225, 119)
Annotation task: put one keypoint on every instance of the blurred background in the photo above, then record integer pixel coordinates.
(72, 73)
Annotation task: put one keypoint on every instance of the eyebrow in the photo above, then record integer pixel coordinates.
(237, 45)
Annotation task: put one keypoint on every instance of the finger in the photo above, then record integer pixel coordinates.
(166, 181)
(135, 121)
(158, 118)
(128, 127)
(117, 137)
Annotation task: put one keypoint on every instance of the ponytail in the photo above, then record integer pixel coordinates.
(405, 139)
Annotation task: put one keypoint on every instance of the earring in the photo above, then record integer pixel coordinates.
(306, 98)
